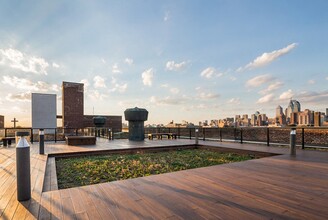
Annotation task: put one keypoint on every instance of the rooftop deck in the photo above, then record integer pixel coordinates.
(279, 187)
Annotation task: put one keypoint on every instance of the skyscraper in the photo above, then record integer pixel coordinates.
(293, 107)
(278, 111)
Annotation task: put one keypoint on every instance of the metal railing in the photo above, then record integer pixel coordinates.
(305, 137)
(59, 134)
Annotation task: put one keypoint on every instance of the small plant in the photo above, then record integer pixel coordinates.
(72, 172)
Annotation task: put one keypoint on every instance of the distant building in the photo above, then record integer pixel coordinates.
(262, 120)
(317, 119)
(253, 120)
(73, 109)
(279, 111)
(73, 105)
(2, 121)
(304, 117)
(293, 107)
(293, 118)
(282, 120)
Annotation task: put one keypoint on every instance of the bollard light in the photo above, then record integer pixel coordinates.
(23, 167)
(41, 141)
(196, 136)
(293, 141)
(109, 134)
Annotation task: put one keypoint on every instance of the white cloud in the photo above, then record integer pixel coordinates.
(26, 84)
(128, 61)
(315, 98)
(168, 100)
(235, 101)
(147, 77)
(55, 65)
(259, 80)
(103, 60)
(86, 84)
(121, 88)
(210, 72)
(165, 85)
(172, 66)
(99, 82)
(17, 60)
(20, 97)
(116, 69)
(267, 58)
(167, 16)
(265, 99)
(209, 95)
(311, 82)
(232, 78)
(174, 90)
(272, 87)
(96, 95)
(327, 78)
(286, 95)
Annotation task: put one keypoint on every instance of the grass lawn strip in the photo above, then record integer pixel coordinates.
(87, 170)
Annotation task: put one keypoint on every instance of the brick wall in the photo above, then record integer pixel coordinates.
(73, 105)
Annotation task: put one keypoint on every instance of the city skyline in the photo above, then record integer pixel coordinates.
(180, 60)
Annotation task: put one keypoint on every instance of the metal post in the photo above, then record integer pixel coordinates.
(303, 138)
(109, 134)
(23, 167)
(190, 133)
(32, 135)
(41, 141)
(293, 141)
(268, 137)
(196, 136)
(220, 134)
(241, 135)
(55, 135)
(203, 134)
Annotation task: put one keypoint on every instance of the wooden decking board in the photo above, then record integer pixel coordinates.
(244, 196)
(281, 187)
(123, 209)
(56, 205)
(87, 201)
(101, 207)
(293, 184)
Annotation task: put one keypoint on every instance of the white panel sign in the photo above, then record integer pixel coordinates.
(44, 111)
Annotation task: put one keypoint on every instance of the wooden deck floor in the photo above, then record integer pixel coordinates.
(279, 187)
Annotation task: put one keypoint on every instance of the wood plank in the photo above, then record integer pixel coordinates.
(56, 205)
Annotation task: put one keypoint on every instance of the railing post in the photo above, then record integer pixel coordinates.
(203, 134)
(32, 135)
(303, 138)
(268, 137)
(235, 133)
(241, 135)
(221, 134)
(190, 133)
(179, 131)
(55, 135)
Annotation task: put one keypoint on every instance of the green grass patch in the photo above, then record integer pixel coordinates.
(87, 170)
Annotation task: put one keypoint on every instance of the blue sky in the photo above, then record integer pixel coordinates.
(181, 60)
